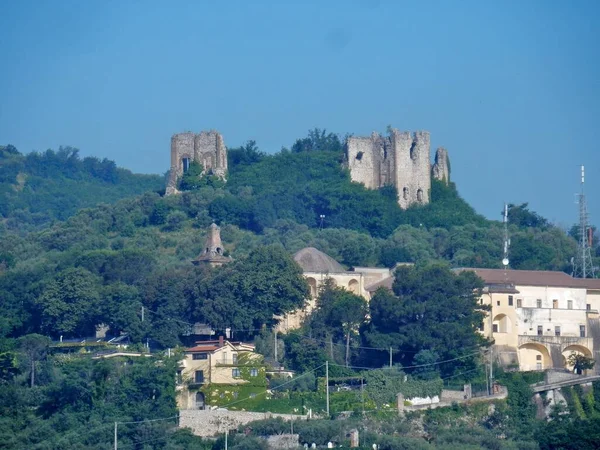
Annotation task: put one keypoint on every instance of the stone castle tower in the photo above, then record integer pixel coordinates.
(206, 148)
(401, 159)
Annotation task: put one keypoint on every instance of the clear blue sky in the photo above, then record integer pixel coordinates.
(511, 88)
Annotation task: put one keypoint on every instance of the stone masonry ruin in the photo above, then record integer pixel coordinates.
(401, 159)
(206, 148)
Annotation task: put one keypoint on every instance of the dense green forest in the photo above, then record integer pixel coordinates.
(84, 243)
(40, 188)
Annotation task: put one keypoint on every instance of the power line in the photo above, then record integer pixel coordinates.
(408, 367)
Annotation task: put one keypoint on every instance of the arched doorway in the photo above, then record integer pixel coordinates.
(501, 324)
(533, 356)
(577, 350)
(199, 403)
(354, 287)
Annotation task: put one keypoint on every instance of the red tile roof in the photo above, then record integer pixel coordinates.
(202, 348)
(533, 278)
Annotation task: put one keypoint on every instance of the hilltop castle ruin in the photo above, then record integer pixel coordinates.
(401, 159)
(206, 148)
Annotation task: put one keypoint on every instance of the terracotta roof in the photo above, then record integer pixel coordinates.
(313, 260)
(386, 283)
(527, 277)
(202, 348)
(589, 283)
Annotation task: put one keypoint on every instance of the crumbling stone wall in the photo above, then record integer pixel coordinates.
(206, 148)
(401, 159)
(441, 167)
(211, 422)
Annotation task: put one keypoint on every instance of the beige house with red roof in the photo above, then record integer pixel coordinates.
(212, 372)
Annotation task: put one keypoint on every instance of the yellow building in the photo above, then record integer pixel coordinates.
(214, 372)
(316, 268)
(539, 318)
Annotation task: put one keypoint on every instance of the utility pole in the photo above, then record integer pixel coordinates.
(327, 385)
(226, 435)
(390, 357)
(116, 435)
(362, 394)
(275, 348)
(492, 367)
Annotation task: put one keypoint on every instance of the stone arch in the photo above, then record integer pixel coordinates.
(534, 356)
(502, 324)
(312, 284)
(185, 160)
(405, 193)
(574, 348)
(199, 402)
(420, 195)
(354, 287)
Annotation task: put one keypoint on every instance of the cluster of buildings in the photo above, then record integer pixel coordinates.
(537, 319)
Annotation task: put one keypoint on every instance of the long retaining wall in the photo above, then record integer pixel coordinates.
(211, 422)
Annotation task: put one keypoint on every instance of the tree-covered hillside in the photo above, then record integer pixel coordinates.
(38, 188)
(106, 263)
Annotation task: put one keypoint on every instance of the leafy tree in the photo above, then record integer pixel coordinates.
(431, 308)
(580, 362)
(70, 303)
(247, 293)
(521, 216)
(34, 348)
(318, 140)
(338, 310)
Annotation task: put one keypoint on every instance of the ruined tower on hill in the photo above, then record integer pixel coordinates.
(401, 159)
(206, 148)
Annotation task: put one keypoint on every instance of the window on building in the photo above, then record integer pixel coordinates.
(236, 394)
(199, 376)
(235, 358)
(179, 378)
(539, 302)
(253, 372)
(481, 326)
(538, 366)
(498, 302)
(555, 304)
(556, 331)
(186, 164)
(495, 328)
(570, 304)
(519, 303)
(197, 356)
(581, 330)
(510, 300)
(420, 195)
(588, 307)
(235, 373)
(540, 330)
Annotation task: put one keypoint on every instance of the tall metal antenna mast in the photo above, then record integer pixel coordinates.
(505, 260)
(582, 262)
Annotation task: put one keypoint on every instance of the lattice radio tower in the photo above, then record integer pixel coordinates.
(582, 262)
